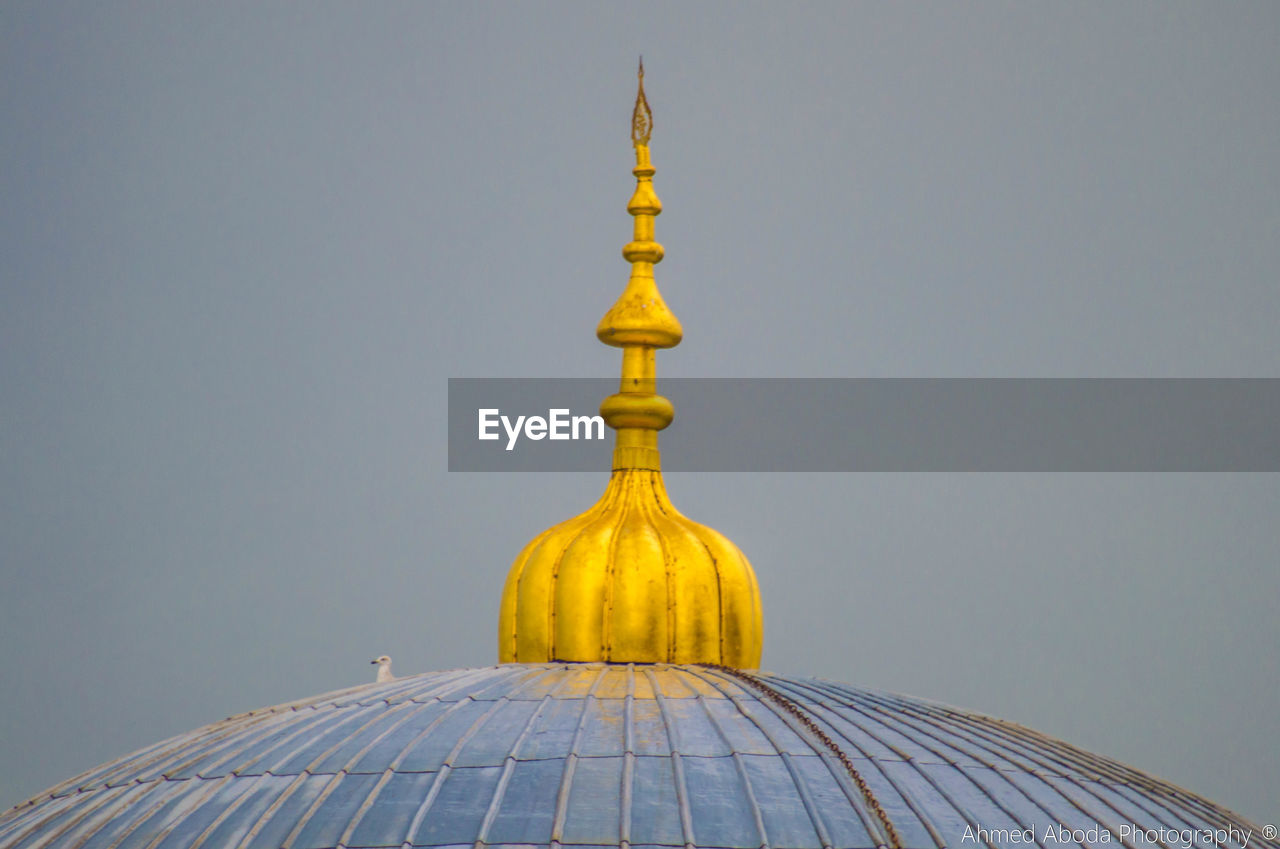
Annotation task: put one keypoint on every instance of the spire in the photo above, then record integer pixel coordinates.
(632, 580)
(639, 322)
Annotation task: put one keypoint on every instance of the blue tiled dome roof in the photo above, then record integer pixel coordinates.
(605, 755)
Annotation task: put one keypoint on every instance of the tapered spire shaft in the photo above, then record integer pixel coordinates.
(640, 322)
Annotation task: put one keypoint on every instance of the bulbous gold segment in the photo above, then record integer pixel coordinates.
(640, 316)
(631, 580)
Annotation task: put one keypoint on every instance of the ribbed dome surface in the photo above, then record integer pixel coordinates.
(630, 580)
(601, 755)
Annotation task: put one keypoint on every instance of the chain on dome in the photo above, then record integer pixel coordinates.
(796, 712)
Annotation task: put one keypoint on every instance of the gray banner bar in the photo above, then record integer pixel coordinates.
(883, 425)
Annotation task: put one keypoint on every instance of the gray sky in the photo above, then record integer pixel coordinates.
(244, 248)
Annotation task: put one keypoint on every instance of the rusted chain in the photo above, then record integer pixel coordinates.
(796, 712)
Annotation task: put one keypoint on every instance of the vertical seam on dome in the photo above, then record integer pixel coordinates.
(397, 722)
(720, 611)
(390, 770)
(298, 780)
(1120, 777)
(203, 795)
(670, 605)
(358, 817)
(721, 618)
(211, 746)
(272, 809)
(511, 681)
(417, 738)
(304, 729)
(571, 763)
(113, 795)
(146, 815)
(875, 705)
(628, 758)
(1044, 751)
(756, 811)
(281, 719)
(588, 519)
(904, 716)
(59, 807)
(1046, 759)
(664, 502)
(551, 601)
(445, 767)
(366, 709)
(465, 737)
(905, 713)
(551, 595)
(1178, 804)
(518, 567)
(677, 768)
(179, 748)
(226, 813)
(757, 603)
(610, 567)
(329, 787)
(495, 804)
(508, 767)
(427, 801)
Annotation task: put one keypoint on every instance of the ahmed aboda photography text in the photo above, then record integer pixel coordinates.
(1129, 834)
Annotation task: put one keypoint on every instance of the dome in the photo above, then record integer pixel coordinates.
(622, 713)
(647, 584)
(639, 755)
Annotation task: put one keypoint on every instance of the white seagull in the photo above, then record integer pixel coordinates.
(384, 669)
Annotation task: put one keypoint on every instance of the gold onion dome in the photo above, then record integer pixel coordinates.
(632, 580)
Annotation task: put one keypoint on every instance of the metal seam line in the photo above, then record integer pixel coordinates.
(1038, 749)
(571, 762)
(757, 813)
(867, 710)
(982, 789)
(677, 768)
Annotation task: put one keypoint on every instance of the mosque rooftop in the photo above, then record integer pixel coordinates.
(624, 712)
(594, 754)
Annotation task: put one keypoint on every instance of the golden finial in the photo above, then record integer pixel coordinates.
(631, 580)
(642, 115)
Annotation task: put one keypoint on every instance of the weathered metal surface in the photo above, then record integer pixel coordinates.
(601, 755)
(631, 579)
